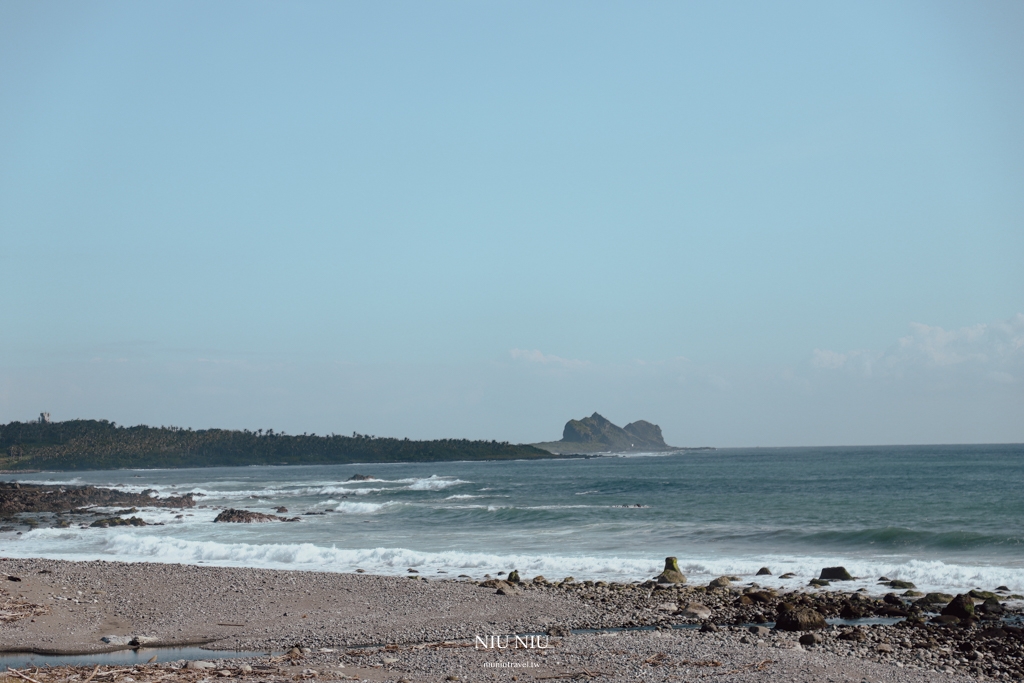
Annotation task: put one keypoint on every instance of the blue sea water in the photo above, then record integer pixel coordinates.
(944, 517)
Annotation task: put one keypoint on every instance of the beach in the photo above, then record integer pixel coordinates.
(390, 628)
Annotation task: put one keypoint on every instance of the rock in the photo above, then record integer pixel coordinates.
(818, 582)
(851, 611)
(900, 584)
(513, 576)
(764, 571)
(990, 606)
(946, 620)
(884, 648)
(982, 595)
(360, 477)
(744, 600)
(389, 660)
(800, 619)
(248, 517)
(282, 509)
(788, 575)
(1003, 589)
(539, 580)
(245, 668)
(810, 639)
(856, 635)
(759, 631)
(666, 607)
(961, 607)
(934, 599)
(762, 597)
(118, 521)
(695, 610)
(117, 640)
(835, 574)
(507, 590)
(199, 664)
(559, 631)
(708, 627)
(720, 582)
(671, 573)
(912, 594)
(892, 599)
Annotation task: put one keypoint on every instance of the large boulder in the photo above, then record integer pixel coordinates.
(671, 574)
(720, 582)
(695, 610)
(800, 619)
(961, 607)
(835, 574)
(249, 517)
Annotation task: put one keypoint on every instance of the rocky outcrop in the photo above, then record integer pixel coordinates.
(248, 517)
(671, 574)
(597, 430)
(15, 498)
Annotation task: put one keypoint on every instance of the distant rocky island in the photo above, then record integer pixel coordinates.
(597, 434)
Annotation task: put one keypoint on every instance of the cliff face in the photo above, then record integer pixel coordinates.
(597, 430)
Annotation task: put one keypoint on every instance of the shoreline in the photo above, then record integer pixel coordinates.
(398, 624)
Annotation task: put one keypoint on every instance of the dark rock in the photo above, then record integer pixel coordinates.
(856, 635)
(118, 521)
(851, 611)
(248, 517)
(810, 639)
(990, 606)
(1003, 589)
(764, 571)
(15, 498)
(901, 584)
(961, 607)
(708, 627)
(762, 597)
(282, 510)
(818, 582)
(360, 477)
(513, 576)
(13, 578)
(891, 611)
(892, 599)
(788, 575)
(982, 595)
(933, 599)
(559, 631)
(671, 573)
(946, 620)
(835, 574)
(800, 619)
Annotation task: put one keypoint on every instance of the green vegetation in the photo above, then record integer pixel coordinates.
(98, 444)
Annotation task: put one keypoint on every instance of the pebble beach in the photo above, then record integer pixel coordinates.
(333, 626)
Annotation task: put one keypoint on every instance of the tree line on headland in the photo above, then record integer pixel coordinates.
(99, 444)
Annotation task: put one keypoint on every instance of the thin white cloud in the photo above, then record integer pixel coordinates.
(541, 358)
(993, 350)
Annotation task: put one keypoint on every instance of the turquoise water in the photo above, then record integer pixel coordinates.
(944, 517)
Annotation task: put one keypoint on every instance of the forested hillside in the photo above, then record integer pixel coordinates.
(99, 444)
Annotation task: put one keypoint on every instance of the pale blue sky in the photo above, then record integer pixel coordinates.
(482, 219)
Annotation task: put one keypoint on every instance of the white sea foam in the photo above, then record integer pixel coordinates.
(135, 546)
(434, 483)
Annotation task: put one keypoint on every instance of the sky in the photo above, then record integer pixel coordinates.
(754, 224)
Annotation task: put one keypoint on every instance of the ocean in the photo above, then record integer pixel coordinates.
(946, 518)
